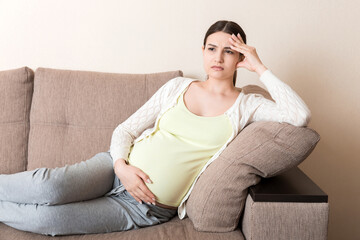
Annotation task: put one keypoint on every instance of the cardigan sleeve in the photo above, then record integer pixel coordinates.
(125, 133)
(288, 106)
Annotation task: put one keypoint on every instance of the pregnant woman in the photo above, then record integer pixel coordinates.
(158, 153)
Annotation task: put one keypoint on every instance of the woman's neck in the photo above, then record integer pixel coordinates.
(219, 86)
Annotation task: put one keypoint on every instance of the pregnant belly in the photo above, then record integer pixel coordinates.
(171, 169)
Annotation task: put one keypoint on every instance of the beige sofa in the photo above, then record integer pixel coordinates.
(54, 117)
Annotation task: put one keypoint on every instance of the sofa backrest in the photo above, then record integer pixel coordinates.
(74, 113)
(16, 87)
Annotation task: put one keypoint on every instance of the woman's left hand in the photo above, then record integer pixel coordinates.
(251, 60)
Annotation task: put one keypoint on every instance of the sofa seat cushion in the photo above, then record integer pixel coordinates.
(74, 113)
(16, 88)
(174, 229)
(261, 149)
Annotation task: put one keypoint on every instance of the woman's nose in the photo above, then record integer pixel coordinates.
(219, 57)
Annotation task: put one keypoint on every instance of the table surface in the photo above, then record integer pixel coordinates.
(291, 186)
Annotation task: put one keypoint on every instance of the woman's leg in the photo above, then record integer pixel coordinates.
(111, 213)
(51, 186)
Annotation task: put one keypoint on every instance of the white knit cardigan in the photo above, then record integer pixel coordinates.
(288, 107)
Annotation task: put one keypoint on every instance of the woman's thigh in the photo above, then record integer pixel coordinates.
(105, 214)
(78, 182)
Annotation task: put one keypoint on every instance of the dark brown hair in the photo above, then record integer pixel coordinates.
(227, 27)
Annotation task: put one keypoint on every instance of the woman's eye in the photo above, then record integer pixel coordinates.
(212, 49)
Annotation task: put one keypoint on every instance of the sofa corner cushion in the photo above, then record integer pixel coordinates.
(16, 88)
(261, 149)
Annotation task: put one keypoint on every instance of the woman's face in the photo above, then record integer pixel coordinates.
(217, 52)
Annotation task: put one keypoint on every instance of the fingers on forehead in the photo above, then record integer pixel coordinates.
(239, 36)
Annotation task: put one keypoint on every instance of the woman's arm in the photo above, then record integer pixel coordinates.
(123, 137)
(288, 106)
(126, 132)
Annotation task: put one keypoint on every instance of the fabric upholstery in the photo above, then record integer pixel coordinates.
(16, 88)
(285, 220)
(74, 113)
(261, 149)
(174, 229)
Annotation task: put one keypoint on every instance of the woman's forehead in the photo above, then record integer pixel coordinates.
(219, 39)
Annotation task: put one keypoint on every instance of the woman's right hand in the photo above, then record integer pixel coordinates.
(133, 179)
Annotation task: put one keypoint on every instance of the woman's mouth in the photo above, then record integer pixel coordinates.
(217, 68)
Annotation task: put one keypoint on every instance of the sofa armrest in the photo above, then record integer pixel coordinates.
(291, 186)
(287, 206)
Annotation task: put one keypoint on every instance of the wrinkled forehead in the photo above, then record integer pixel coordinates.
(218, 39)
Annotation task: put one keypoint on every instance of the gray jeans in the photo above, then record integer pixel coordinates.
(86, 197)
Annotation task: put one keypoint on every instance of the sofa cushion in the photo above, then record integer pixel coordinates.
(261, 149)
(16, 88)
(74, 113)
(173, 229)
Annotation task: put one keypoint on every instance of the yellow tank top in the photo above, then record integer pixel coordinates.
(174, 154)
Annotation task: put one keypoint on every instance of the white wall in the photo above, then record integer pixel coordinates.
(312, 45)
